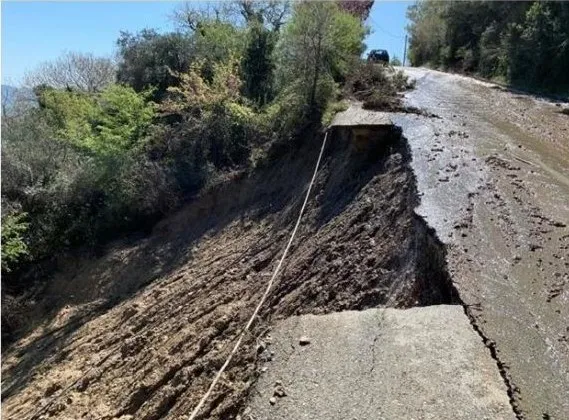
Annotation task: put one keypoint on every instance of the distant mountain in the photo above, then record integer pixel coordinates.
(16, 97)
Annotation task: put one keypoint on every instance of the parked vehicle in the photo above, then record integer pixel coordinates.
(378, 56)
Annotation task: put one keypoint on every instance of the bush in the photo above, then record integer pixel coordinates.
(401, 81)
(104, 124)
(395, 61)
(222, 121)
(77, 167)
(14, 247)
(367, 79)
(378, 87)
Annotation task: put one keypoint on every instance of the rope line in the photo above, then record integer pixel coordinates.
(265, 295)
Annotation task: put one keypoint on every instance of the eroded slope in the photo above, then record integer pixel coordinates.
(147, 324)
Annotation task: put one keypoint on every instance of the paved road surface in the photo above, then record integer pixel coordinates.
(419, 363)
(493, 173)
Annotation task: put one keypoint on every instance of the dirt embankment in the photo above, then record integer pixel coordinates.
(141, 331)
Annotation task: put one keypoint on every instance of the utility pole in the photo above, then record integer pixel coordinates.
(405, 51)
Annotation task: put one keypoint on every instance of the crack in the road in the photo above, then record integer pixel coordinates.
(512, 390)
(375, 338)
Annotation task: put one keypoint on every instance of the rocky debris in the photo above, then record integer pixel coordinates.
(279, 390)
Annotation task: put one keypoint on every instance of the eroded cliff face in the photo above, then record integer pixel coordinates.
(141, 331)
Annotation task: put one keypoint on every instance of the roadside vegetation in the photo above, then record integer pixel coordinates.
(521, 43)
(110, 147)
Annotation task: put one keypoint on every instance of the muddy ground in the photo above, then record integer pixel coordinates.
(493, 175)
(141, 331)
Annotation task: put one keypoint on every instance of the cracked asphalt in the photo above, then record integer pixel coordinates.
(418, 363)
(493, 175)
(492, 171)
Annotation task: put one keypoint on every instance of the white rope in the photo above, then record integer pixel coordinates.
(269, 285)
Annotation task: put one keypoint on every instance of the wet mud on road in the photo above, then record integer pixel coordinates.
(493, 176)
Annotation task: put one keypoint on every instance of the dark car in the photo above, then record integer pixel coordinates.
(378, 56)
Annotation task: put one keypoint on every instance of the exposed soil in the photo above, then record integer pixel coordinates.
(140, 332)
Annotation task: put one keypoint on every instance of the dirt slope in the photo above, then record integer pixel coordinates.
(140, 331)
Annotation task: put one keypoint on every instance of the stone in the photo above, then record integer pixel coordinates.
(279, 391)
(304, 341)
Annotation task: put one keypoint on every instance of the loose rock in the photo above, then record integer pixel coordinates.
(304, 341)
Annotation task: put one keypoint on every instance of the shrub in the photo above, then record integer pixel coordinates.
(365, 79)
(14, 247)
(100, 124)
(222, 121)
(395, 61)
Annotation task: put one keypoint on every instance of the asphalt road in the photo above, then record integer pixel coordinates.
(419, 363)
(493, 175)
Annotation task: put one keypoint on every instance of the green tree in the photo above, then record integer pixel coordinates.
(316, 47)
(526, 42)
(544, 46)
(428, 33)
(258, 65)
(216, 41)
(148, 59)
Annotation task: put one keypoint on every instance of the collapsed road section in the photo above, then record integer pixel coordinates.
(423, 362)
(417, 363)
(147, 342)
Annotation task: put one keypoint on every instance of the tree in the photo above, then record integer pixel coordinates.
(73, 70)
(270, 13)
(16, 101)
(257, 64)
(148, 59)
(358, 8)
(525, 42)
(317, 45)
(427, 33)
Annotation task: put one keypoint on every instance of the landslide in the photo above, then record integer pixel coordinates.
(140, 331)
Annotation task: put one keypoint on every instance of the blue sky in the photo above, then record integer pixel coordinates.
(33, 32)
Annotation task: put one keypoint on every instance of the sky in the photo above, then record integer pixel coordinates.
(34, 32)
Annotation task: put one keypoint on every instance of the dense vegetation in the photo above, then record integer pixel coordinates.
(111, 147)
(525, 43)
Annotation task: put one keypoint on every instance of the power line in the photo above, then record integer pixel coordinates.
(375, 25)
